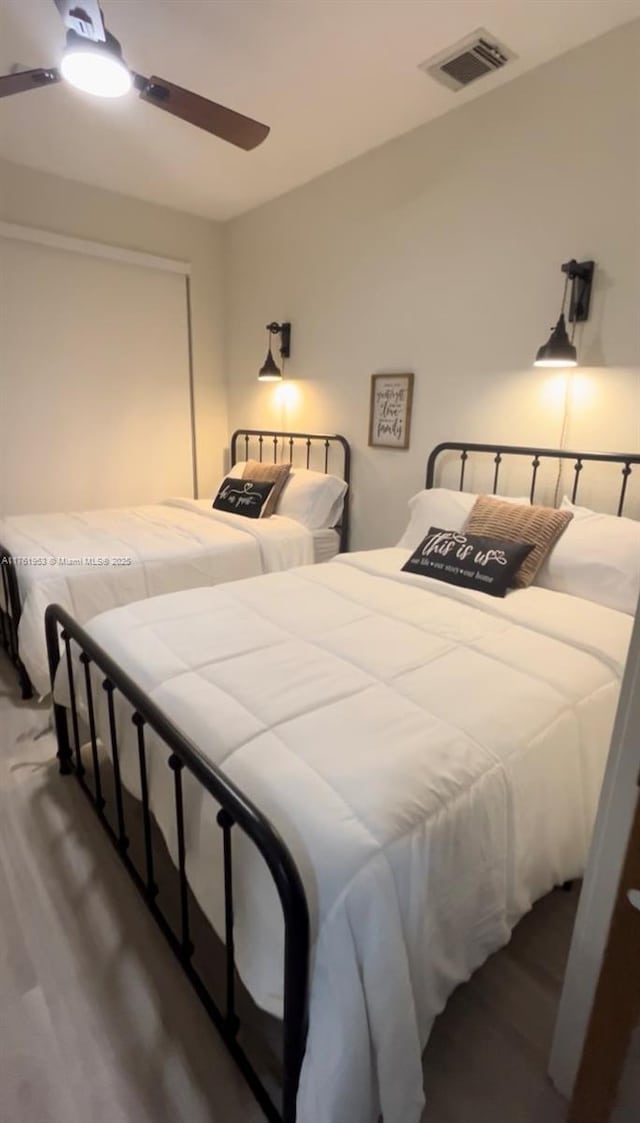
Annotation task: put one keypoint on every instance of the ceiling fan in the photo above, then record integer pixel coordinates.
(93, 62)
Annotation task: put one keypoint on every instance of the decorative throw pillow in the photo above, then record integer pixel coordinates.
(277, 474)
(472, 561)
(244, 497)
(540, 526)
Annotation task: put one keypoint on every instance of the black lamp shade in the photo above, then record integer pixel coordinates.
(269, 371)
(558, 351)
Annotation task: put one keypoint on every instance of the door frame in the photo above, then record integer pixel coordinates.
(604, 870)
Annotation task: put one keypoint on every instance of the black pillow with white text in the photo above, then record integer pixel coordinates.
(243, 497)
(471, 561)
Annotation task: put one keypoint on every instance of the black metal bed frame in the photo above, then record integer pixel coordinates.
(285, 442)
(235, 811)
(280, 439)
(466, 448)
(10, 610)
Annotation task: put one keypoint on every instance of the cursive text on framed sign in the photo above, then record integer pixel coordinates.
(390, 410)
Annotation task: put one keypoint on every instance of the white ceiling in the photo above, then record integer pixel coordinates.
(333, 78)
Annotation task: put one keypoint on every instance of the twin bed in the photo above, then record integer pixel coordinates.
(91, 561)
(363, 779)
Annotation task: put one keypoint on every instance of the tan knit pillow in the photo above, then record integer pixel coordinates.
(277, 474)
(541, 526)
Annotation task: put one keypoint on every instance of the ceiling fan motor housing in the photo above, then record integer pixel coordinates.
(110, 43)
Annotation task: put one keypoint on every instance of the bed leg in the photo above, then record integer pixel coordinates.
(65, 766)
(65, 760)
(26, 689)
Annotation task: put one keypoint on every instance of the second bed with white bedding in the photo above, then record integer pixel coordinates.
(92, 561)
(432, 758)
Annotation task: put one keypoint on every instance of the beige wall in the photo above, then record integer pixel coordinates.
(440, 252)
(33, 198)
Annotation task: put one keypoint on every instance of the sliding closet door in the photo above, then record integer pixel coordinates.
(94, 381)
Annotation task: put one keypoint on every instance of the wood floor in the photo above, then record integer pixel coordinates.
(97, 1025)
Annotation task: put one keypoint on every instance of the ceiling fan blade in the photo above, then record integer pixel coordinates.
(84, 17)
(27, 80)
(217, 119)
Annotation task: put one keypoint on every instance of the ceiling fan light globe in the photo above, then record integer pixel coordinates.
(96, 71)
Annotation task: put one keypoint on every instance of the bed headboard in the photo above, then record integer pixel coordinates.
(323, 452)
(539, 456)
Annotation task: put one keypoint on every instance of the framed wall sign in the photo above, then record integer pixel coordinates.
(390, 410)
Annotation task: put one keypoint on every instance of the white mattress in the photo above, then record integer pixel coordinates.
(91, 561)
(432, 757)
(326, 544)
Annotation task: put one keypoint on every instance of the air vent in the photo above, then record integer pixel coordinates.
(472, 58)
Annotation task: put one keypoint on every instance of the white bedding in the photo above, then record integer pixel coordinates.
(326, 544)
(432, 757)
(177, 544)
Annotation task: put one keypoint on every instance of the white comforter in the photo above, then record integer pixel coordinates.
(431, 756)
(91, 561)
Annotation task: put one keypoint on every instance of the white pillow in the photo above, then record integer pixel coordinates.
(441, 507)
(597, 558)
(314, 499)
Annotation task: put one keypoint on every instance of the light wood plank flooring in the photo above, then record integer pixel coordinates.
(98, 1025)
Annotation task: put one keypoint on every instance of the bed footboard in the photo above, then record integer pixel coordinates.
(66, 640)
(10, 609)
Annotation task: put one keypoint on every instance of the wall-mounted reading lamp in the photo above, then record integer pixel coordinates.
(559, 350)
(270, 371)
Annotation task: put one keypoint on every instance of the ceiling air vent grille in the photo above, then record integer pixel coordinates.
(472, 58)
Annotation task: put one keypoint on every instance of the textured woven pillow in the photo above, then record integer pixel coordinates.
(277, 474)
(541, 526)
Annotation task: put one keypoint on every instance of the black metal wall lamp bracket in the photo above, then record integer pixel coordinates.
(559, 350)
(270, 371)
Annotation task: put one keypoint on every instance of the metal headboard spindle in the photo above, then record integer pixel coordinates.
(627, 461)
